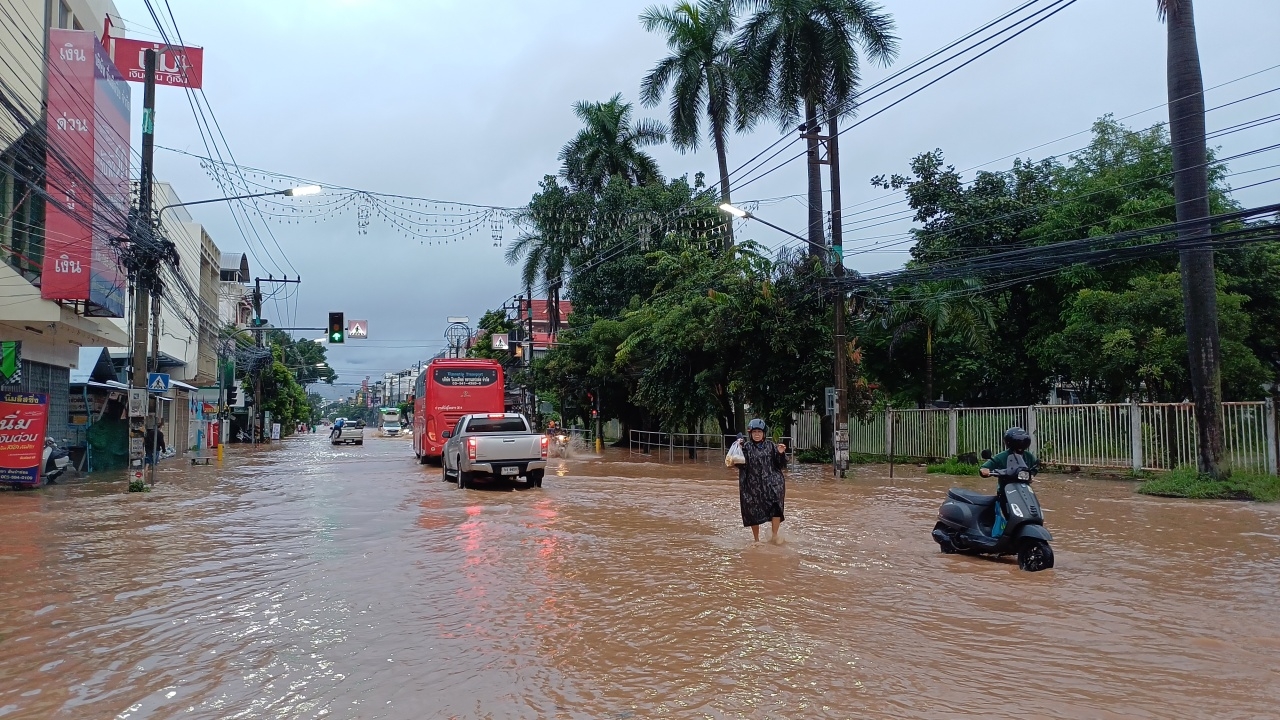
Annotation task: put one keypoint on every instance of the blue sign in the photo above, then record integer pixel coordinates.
(158, 382)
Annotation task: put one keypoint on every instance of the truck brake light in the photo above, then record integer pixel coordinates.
(471, 448)
(496, 416)
(544, 446)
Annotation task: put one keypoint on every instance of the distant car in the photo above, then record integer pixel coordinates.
(497, 445)
(351, 433)
(391, 429)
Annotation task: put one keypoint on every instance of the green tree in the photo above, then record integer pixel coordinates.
(801, 60)
(493, 321)
(956, 307)
(610, 145)
(702, 72)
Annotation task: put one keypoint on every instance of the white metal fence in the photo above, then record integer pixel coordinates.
(1136, 436)
(684, 447)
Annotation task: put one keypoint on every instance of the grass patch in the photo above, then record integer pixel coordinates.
(1185, 482)
(953, 466)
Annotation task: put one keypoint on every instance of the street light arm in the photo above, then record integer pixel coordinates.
(290, 192)
(746, 215)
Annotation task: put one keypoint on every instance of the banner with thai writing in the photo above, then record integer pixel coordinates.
(87, 174)
(24, 419)
(175, 65)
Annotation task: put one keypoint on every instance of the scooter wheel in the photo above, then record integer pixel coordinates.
(1035, 555)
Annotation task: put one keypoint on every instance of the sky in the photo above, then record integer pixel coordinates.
(470, 102)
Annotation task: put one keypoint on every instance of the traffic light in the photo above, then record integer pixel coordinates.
(232, 395)
(337, 328)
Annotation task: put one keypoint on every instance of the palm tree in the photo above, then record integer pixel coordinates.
(610, 145)
(701, 72)
(1191, 192)
(941, 307)
(549, 247)
(801, 56)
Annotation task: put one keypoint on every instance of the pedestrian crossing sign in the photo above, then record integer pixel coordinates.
(158, 382)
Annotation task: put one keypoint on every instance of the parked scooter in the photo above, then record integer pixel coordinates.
(56, 461)
(1007, 523)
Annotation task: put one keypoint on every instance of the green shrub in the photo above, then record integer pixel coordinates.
(814, 456)
(953, 466)
(1186, 482)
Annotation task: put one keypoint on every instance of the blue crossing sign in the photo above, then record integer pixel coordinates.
(158, 382)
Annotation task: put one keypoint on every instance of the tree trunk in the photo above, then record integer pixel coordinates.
(722, 158)
(1191, 191)
(817, 239)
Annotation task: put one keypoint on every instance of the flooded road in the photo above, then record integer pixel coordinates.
(308, 581)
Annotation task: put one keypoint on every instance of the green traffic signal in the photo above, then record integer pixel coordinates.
(337, 328)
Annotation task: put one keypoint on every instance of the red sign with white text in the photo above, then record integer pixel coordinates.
(24, 417)
(68, 253)
(178, 66)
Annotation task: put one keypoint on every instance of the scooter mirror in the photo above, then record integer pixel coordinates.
(986, 454)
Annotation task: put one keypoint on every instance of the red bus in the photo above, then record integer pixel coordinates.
(446, 390)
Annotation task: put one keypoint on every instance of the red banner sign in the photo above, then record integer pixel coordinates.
(24, 417)
(178, 66)
(68, 253)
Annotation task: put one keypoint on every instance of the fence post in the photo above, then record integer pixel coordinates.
(1031, 427)
(1135, 436)
(953, 432)
(888, 431)
(1269, 421)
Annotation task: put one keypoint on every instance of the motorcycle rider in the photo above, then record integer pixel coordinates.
(1017, 442)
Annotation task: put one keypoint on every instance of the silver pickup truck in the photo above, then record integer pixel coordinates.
(497, 445)
(351, 433)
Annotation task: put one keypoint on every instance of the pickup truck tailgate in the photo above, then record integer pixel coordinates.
(500, 448)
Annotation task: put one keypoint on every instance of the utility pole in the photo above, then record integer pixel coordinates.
(839, 423)
(257, 417)
(840, 444)
(529, 396)
(143, 236)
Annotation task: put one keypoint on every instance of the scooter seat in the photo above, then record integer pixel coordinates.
(973, 498)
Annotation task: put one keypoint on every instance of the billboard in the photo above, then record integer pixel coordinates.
(175, 65)
(86, 175)
(23, 420)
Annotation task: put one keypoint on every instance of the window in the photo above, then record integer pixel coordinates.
(21, 207)
(64, 15)
(496, 425)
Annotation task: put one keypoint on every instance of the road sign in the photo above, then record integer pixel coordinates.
(137, 403)
(358, 329)
(501, 341)
(463, 319)
(158, 382)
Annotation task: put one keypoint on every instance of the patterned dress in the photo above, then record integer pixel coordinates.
(761, 485)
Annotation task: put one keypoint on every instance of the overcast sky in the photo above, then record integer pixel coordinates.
(468, 101)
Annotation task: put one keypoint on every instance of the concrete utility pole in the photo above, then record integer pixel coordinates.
(143, 235)
(256, 426)
(839, 423)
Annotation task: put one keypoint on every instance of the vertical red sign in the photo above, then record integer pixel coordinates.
(24, 418)
(68, 248)
(111, 180)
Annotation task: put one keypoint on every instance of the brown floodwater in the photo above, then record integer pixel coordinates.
(307, 581)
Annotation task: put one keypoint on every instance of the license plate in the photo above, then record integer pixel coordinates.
(510, 471)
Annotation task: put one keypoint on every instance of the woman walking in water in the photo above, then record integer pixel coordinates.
(761, 485)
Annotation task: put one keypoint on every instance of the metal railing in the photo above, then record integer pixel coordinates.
(1135, 436)
(684, 447)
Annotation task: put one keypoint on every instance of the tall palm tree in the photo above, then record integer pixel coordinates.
(610, 144)
(548, 248)
(941, 307)
(1191, 192)
(801, 58)
(701, 72)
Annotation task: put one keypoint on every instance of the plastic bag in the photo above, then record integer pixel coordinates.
(735, 456)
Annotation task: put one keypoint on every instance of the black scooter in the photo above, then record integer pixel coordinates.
(967, 519)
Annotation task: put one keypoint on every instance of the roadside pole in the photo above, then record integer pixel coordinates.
(840, 443)
(142, 235)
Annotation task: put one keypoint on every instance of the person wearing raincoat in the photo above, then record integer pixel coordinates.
(761, 485)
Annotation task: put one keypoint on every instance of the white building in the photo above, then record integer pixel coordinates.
(51, 332)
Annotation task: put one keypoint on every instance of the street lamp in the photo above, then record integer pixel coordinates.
(743, 214)
(300, 191)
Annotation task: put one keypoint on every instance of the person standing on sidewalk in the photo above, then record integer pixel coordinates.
(762, 488)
